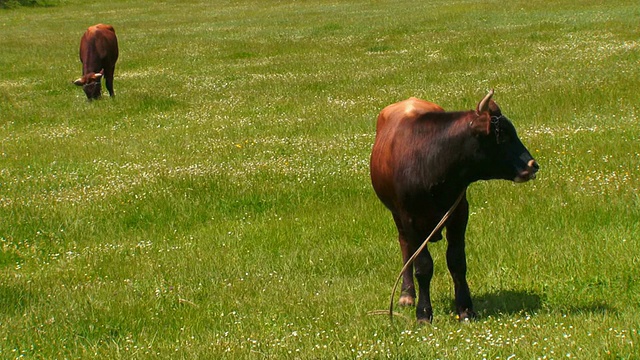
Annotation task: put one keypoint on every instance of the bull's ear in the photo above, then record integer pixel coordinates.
(481, 124)
(483, 105)
(79, 82)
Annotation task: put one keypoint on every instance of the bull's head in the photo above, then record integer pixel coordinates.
(503, 154)
(91, 85)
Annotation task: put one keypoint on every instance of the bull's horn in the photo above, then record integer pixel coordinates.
(78, 82)
(98, 76)
(484, 104)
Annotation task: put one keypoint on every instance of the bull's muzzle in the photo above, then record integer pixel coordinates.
(529, 173)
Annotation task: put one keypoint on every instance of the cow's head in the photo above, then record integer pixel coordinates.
(501, 153)
(91, 85)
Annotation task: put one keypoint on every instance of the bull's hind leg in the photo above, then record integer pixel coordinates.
(457, 262)
(414, 235)
(408, 290)
(108, 75)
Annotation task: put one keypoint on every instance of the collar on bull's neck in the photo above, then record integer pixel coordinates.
(495, 123)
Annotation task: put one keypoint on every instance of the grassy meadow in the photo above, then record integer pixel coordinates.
(220, 205)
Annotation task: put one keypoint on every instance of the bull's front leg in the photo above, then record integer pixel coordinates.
(424, 273)
(108, 75)
(457, 262)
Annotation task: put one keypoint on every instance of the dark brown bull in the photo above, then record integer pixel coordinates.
(423, 158)
(98, 54)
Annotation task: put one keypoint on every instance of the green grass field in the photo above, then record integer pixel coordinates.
(220, 206)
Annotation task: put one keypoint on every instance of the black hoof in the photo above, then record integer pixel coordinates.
(424, 316)
(467, 315)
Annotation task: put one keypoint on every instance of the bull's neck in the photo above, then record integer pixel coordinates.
(457, 149)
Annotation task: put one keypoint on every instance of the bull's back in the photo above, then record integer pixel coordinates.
(102, 40)
(392, 115)
(103, 27)
(389, 145)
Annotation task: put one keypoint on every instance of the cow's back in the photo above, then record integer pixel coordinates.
(411, 108)
(389, 145)
(99, 45)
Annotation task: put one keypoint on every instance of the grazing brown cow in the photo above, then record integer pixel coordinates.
(98, 54)
(423, 158)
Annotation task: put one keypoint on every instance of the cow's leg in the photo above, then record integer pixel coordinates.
(108, 75)
(457, 262)
(408, 290)
(416, 230)
(424, 273)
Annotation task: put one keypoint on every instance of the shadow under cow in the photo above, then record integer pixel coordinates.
(507, 302)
